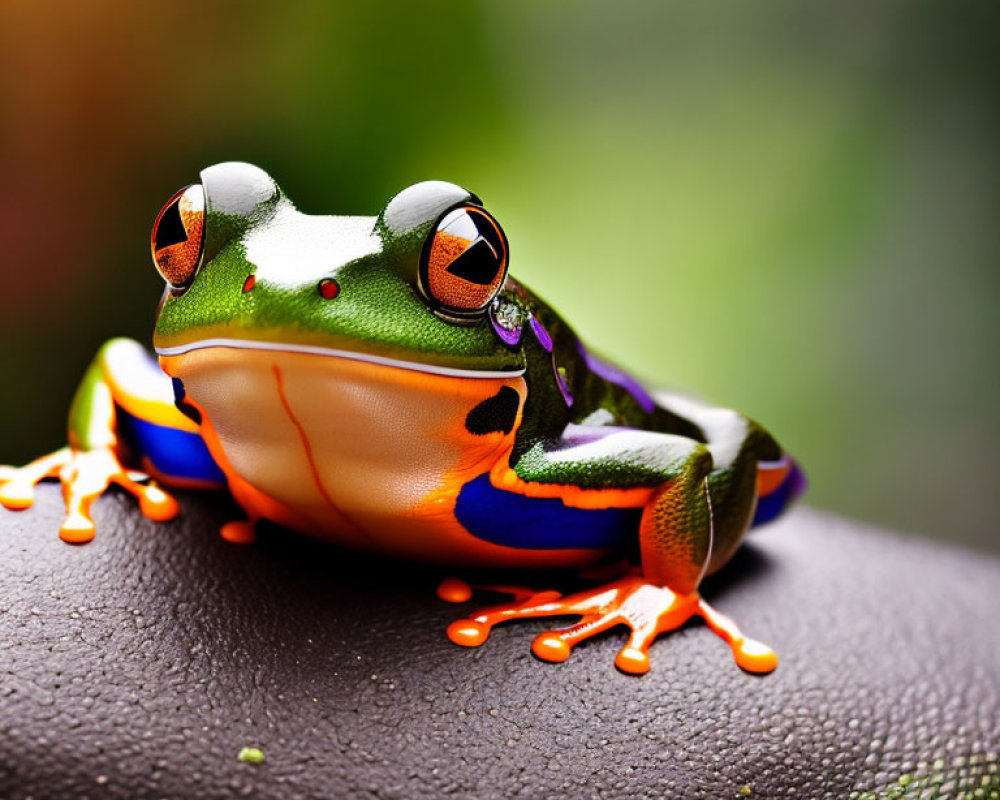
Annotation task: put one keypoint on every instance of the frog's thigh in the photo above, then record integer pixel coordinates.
(666, 474)
(162, 440)
(736, 444)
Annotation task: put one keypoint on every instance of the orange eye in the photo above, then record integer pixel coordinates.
(178, 236)
(464, 262)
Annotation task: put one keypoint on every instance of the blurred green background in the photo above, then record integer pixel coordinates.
(787, 207)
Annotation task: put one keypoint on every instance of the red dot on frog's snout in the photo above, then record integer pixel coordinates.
(249, 283)
(329, 288)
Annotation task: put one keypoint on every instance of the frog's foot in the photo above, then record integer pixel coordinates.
(85, 475)
(648, 610)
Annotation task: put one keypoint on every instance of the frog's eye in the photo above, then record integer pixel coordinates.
(464, 261)
(179, 235)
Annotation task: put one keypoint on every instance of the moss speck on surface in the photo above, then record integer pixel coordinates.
(250, 755)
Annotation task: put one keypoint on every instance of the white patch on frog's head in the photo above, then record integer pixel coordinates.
(295, 249)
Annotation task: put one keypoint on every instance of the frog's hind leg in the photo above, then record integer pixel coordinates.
(752, 480)
(672, 478)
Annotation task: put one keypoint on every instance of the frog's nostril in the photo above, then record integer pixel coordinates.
(329, 288)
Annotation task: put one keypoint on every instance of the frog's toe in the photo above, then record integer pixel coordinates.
(454, 590)
(17, 495)
(17, 484)
(78, 528)
(473, 632)
(550, 646)
(154, 503)
(241, 531)
(633, 658)
(754, 656)
(157, 505)
(468, 632)
(556, 645)
(749, 654)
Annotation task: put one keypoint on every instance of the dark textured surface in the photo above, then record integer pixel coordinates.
(138, 666)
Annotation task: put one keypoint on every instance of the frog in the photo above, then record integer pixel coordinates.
(385, 384)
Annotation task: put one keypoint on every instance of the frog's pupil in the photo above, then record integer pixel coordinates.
(476, 265)
(170, 231)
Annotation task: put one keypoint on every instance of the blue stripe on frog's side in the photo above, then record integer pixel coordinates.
(771, 506)
(541, 523)
(174, 453)
(536, 523)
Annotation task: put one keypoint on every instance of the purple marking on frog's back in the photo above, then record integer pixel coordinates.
(574, 435)
(619, 377)
(541, 334)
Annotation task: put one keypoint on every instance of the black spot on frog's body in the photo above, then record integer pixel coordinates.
(181, 401)
(495, 414)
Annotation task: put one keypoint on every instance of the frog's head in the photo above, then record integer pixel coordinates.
(424, 284)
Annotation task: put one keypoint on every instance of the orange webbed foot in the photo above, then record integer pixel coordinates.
(646, 609)
(84, 475)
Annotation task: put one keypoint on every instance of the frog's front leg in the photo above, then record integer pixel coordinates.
(671, 479)
(92, 460)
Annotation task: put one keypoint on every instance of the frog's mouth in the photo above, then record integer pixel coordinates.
(370, 358)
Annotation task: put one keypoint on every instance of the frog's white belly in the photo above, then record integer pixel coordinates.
(351, 446)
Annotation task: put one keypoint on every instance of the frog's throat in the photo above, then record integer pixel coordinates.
(250, 344)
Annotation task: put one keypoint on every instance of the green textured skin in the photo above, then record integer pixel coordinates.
(88, 405)
(611, 472)
(973, 777)
(676, 535)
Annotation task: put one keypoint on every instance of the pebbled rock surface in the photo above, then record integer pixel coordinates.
(139, 665)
